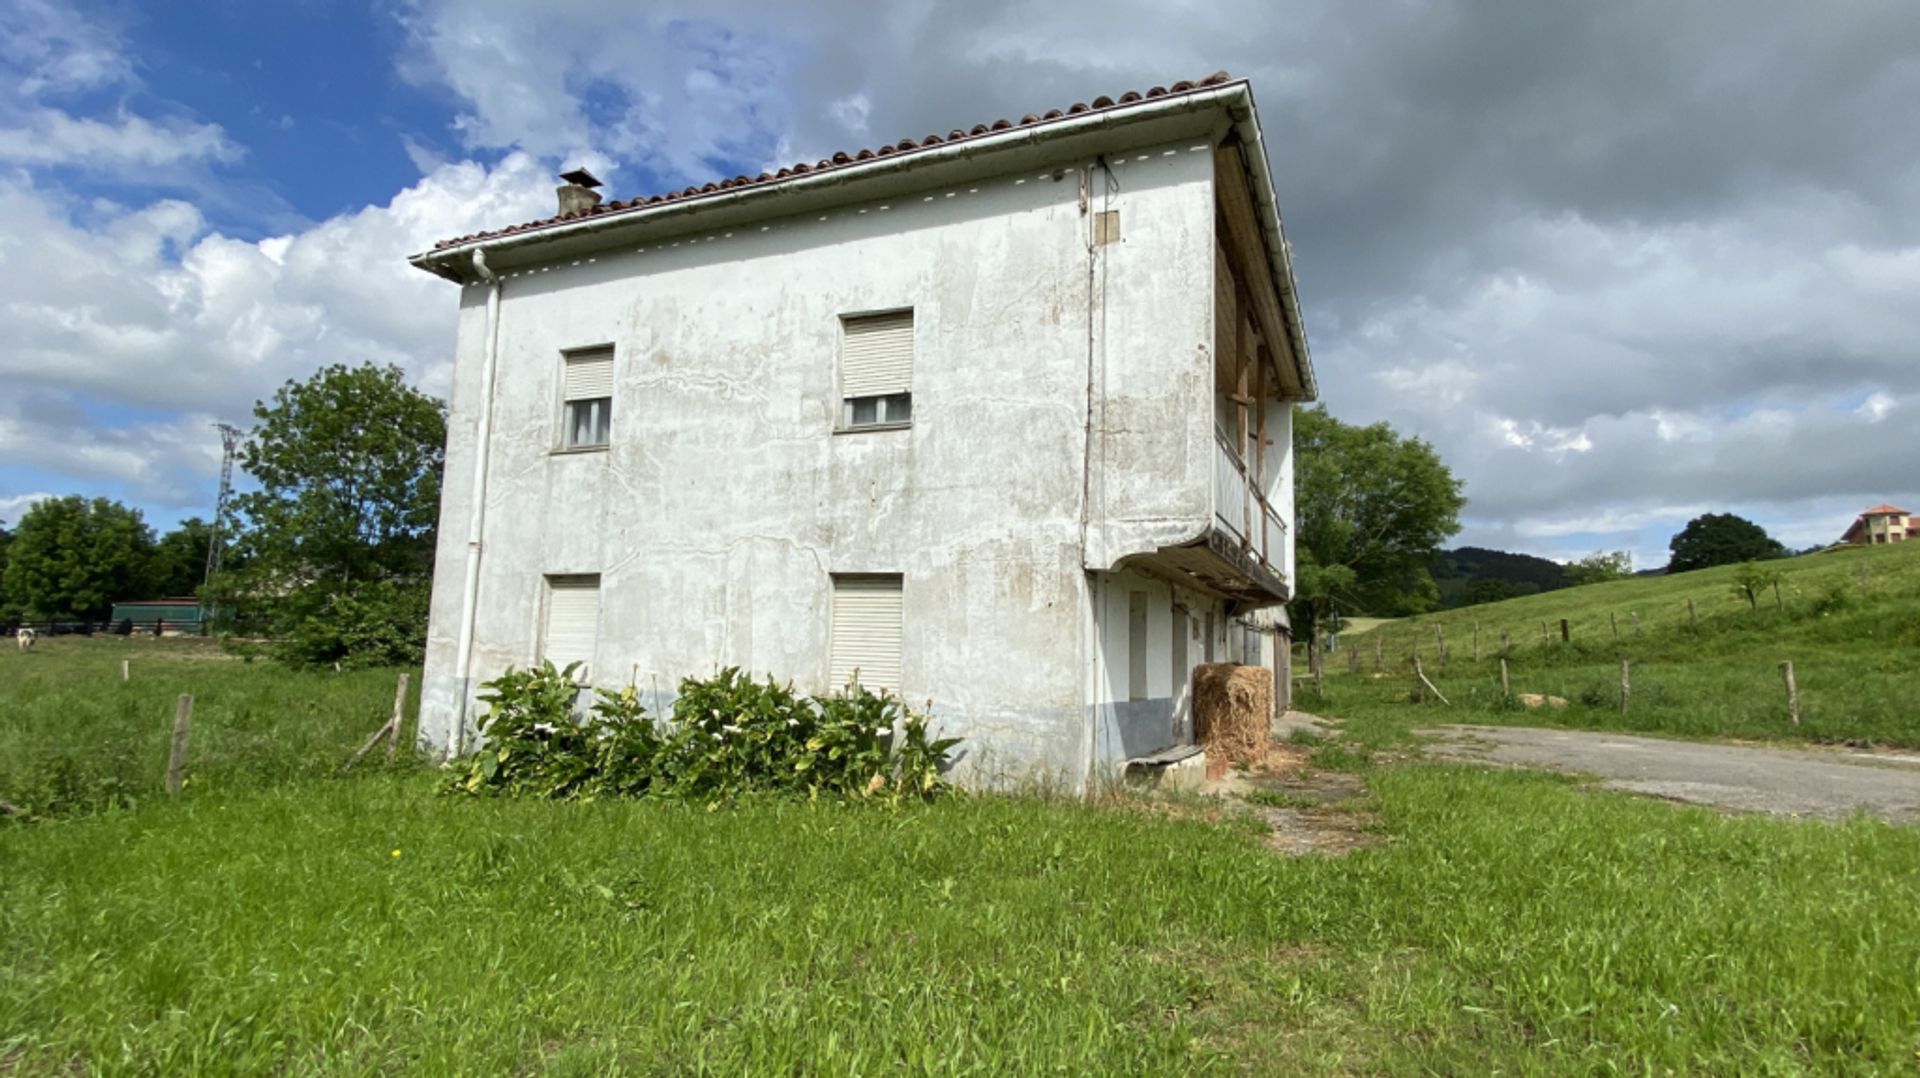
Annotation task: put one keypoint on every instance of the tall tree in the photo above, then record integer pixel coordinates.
(1720, 539)
(71, 558)
(180, 560)
(1372, 508)
(339, 538)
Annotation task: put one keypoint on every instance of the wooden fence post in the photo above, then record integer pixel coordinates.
(389, 729)
(1440, 644)
(1353, 661)
(1379, 660)
(399, 715)
(177, 754)
(1565, 634)
(1476, 641)
(1636, 623)
(1545, 640)
(1777, 604)
(1423, 686)
(1793, 693)
(1692, 622)
(126, 670)
(1626, 687)
(1314, 664)
(1505, 645)
(1506, 690)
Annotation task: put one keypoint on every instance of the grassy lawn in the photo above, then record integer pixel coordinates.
(1856, 656)
(1501, 921)
(74, 737)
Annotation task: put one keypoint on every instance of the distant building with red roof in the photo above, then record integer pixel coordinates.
(1881, 524)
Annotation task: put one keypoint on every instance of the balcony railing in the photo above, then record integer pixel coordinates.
(1242, 508)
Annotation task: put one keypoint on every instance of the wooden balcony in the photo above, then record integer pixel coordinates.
(1242, 556)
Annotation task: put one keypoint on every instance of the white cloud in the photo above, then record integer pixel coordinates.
(665, 86)
(13, 506)
(145, 309)
(55, 49)
(48, 51)
(1875, 407)
(45, 136)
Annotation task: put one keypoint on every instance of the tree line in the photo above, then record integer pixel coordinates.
(330, 544)
(72, 558)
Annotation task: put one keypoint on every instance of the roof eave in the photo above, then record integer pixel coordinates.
(442, 260)
(1247, 124)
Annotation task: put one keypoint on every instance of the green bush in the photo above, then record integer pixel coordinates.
(728, 735)
(363, 624)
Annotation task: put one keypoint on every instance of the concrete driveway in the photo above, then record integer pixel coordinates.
(1826, 783)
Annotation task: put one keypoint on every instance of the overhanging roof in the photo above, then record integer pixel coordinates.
(1081, 130)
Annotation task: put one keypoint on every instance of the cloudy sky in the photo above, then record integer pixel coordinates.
(1620, 262)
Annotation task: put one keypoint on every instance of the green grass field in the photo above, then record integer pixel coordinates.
(293, 921)
(1855, 650)
(74, 737)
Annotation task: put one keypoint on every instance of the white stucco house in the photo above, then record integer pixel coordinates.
(999, 418)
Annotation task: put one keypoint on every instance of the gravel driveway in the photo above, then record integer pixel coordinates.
(1820, 782)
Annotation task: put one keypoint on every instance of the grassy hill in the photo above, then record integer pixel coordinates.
(1848, 620)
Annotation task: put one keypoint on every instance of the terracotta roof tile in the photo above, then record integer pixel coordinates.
(1883, 507)
(843, 158)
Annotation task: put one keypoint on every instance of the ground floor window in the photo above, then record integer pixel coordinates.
(572, 623)
(866, 630)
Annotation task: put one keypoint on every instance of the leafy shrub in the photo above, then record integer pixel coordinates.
(728, 735)
(1835, 596)
(364, 624)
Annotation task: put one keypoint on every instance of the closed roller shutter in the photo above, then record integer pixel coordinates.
(866, 631)
(573, 622)
(876, 356)
(590, 375)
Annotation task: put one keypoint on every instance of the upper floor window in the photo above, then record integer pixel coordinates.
(876, 370)
(586, 414)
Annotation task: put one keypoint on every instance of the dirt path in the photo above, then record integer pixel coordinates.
(1784, 782)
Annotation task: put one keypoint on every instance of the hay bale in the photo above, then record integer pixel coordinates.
(1233, 711)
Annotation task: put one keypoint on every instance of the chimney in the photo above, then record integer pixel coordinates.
(577, 194)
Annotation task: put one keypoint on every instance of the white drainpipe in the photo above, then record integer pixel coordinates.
(470, 600)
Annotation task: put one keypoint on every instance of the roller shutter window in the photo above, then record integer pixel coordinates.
(876, 370)
(587, 391)
(866, 631)
(573, 623)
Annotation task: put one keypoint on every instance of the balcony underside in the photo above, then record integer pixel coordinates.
(1220, 565)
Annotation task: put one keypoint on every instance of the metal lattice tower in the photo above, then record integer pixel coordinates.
(229, 441)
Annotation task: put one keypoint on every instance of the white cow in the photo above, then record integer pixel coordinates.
(25, 638)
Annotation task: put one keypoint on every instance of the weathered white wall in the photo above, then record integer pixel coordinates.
(727, 499)
(1152, 362)
(1125, 727)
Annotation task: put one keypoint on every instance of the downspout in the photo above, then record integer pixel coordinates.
(470, 595)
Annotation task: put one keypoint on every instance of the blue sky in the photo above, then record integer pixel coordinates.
(1620, 264)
